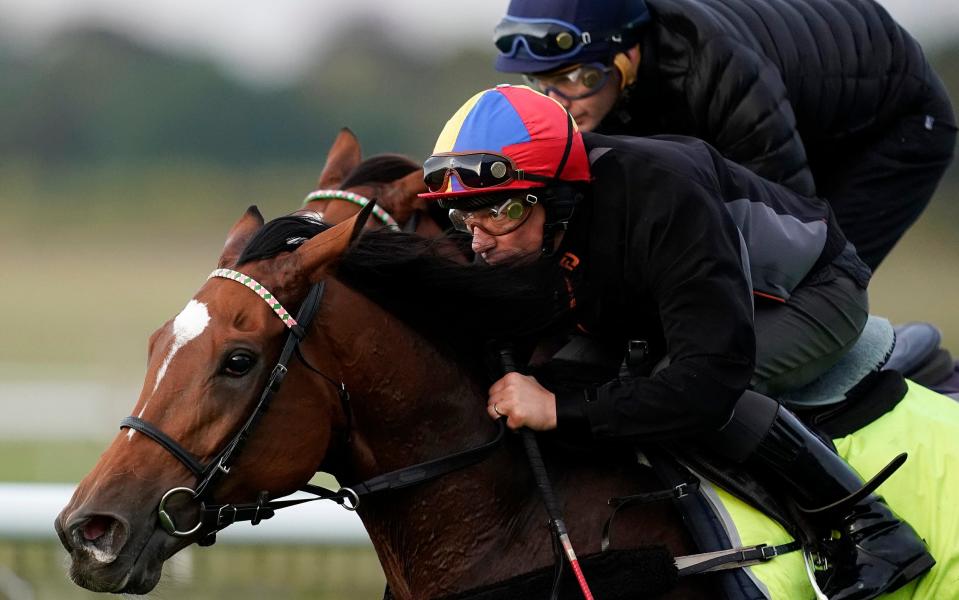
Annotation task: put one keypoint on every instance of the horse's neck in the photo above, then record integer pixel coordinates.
(410, 404)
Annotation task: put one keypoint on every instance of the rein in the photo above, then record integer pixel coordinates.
(214, 517)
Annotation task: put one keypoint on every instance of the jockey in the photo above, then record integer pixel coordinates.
(661, 239)
(835, 100)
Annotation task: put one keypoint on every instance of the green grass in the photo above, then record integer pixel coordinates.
(235, 572)
(96, 259)
(48, 461)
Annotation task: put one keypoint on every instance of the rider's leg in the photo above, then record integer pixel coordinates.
(879, 185)
(878, 552)
(801, 339)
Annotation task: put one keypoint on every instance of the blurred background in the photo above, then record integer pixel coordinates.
(133, 134)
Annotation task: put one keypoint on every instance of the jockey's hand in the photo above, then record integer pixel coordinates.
(523, 401)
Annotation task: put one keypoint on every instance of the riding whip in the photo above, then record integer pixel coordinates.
(535, 458)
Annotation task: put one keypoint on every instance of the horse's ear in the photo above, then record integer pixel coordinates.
(400, 199)
(344, 156)
(361, 219)
(240, 235)
(413, 183)
(319, 252)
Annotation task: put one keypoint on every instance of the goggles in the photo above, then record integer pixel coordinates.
(581, 81)
(495, 220)
(474, 170)
(551, 39)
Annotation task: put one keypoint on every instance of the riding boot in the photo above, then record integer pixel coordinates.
(876, 551)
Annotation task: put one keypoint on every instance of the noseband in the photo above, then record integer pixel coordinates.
(214, 517)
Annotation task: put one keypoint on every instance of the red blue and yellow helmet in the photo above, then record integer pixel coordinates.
(505, 138)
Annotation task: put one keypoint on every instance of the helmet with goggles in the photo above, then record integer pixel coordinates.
(505, 139)
(537, 36)
(572, 83)
(506, 150)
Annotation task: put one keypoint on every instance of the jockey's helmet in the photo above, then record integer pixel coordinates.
(503, 140)
(537, 36)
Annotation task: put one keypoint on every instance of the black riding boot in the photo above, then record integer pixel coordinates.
(876, 552)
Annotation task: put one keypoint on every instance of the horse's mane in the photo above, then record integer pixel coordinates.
(381, 168)
(420, 281)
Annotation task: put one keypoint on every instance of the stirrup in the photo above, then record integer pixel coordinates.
(857, 496)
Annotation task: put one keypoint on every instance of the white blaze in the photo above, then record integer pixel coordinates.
(187, 325)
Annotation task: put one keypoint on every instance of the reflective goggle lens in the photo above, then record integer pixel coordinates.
(474, 171)
(581, 81)
(495, 220)
(542, 39)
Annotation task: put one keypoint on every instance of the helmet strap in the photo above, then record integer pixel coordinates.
(560, 204)
(567, 149)
(560, 200)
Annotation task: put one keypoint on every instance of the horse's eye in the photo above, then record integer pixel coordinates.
(238, 364)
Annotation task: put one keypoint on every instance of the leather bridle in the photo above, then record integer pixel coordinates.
(214, 517)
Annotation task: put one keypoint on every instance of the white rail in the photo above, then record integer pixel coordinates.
(27, 512)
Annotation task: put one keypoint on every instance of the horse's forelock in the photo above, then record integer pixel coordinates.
(381, 168)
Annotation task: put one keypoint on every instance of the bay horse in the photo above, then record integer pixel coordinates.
(391, 180)
(394, 327)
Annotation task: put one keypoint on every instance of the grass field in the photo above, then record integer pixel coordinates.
(94, 261)
(216, 573)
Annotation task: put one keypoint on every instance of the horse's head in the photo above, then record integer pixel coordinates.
(207, 370)
(391, 179)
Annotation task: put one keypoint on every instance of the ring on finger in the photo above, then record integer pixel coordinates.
(496, 410)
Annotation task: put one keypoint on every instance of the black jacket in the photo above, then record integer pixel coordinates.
(670, 248)
(772, 84)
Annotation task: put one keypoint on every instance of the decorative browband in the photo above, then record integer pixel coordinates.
(356, 199)
(261, 291)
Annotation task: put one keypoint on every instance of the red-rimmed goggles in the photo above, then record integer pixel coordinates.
(474, 170)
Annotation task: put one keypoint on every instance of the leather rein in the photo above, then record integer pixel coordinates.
(214, 517)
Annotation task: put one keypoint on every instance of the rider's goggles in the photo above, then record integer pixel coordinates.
(475, 170)
(495, 220)
(580, 81)
(550, 39)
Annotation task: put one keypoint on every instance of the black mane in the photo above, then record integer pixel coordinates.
(421, 281)
(381, 168)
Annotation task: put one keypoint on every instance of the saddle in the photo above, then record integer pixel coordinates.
(866, 384)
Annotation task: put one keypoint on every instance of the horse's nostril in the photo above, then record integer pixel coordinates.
(101, 536)
(96, 526)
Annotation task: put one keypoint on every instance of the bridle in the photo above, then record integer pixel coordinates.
(362, 201)
(214, 517)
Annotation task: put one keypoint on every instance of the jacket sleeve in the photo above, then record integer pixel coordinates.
(738, 99)
(685, 252)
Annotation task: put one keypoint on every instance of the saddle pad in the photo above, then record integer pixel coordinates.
(924, 492)
(867, 355)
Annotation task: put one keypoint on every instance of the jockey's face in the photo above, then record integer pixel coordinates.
(590, 111)
(524, 242)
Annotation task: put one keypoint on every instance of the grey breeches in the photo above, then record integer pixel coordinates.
(801, 339)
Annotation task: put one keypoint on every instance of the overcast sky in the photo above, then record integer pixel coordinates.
(273, 39)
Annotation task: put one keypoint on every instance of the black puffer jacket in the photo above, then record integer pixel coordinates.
(769, 83)
(667, 249)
